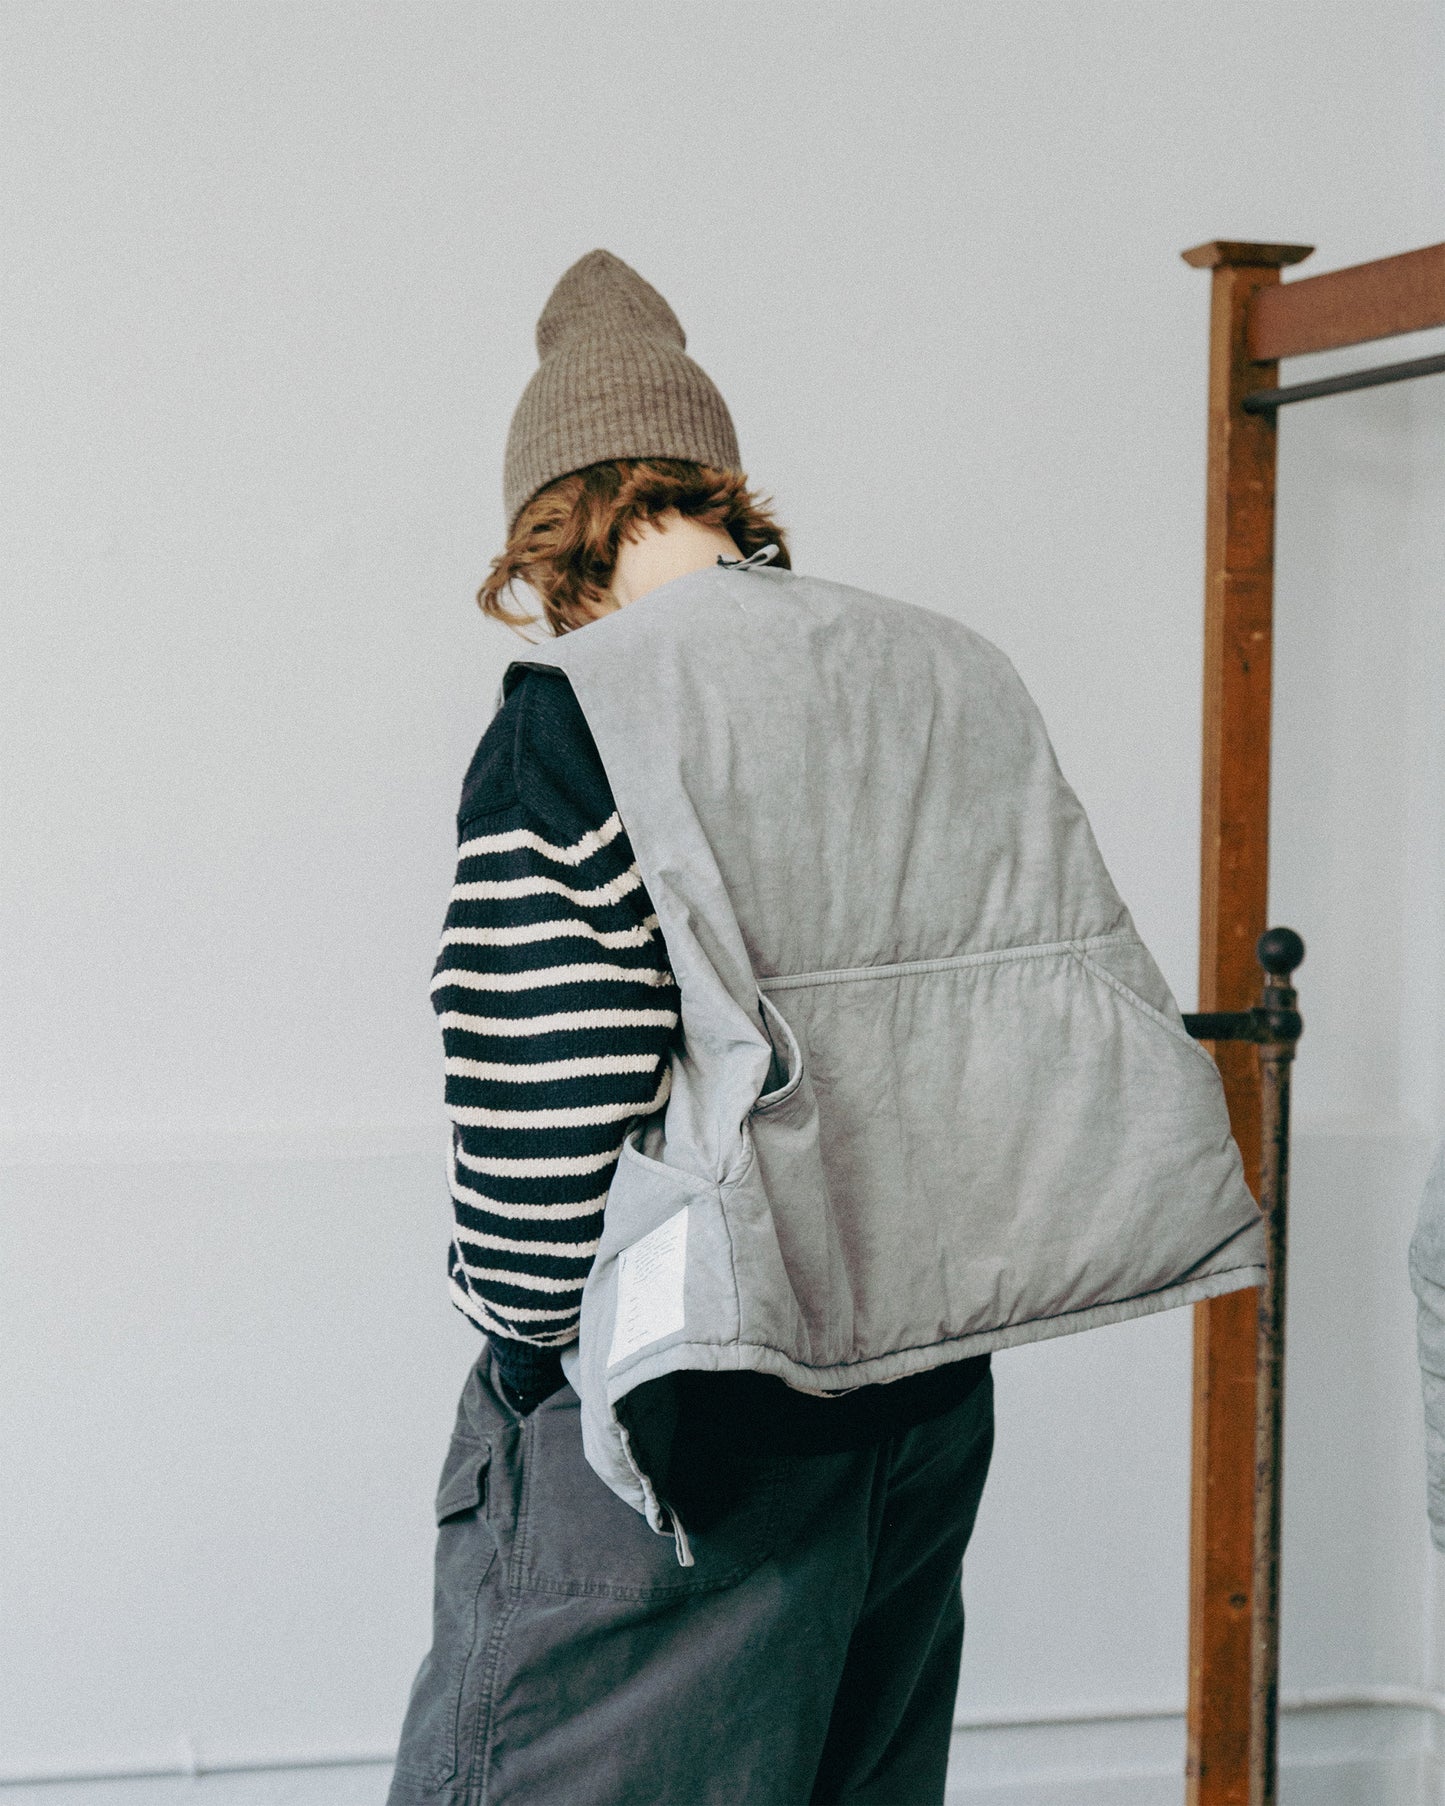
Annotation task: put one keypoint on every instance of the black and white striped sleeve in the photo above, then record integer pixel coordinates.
(557, 1010)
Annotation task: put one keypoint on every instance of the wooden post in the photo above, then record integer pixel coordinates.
(1238, 605)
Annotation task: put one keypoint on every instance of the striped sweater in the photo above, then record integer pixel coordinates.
(557, 1011)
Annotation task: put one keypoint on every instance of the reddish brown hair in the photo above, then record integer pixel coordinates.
(565, 543)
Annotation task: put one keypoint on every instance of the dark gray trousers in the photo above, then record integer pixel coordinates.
(810, 1654)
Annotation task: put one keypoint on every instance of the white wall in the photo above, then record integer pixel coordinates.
(272, 275)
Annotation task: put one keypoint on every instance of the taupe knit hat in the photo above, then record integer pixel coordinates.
(614, 382)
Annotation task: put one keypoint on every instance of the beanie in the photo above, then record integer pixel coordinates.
(614, 382)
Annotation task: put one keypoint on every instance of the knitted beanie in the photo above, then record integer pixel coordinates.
(614, 382)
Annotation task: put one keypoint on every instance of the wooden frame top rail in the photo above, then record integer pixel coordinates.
(1349, 307)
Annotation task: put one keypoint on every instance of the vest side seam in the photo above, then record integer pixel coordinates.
(1142, 1005)
(792, 981)
(748, 1157)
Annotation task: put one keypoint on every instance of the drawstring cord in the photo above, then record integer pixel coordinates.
(680, 1539)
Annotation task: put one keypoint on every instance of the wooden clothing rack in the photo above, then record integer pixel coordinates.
(1255, 321)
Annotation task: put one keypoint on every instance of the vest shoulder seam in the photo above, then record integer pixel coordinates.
(792, 981)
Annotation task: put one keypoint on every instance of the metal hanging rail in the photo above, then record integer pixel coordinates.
(1266, 401)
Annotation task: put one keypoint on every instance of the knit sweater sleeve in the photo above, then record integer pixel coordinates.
(557, 1009)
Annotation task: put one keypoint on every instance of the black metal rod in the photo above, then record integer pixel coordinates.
(1274, 1073)
(1265, 1024)
(1222, 1025)
(1265, 401)
(1274, 1025)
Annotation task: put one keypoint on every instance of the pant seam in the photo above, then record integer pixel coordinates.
(486, 1708)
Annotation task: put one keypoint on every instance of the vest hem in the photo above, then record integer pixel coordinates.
(721, 1357)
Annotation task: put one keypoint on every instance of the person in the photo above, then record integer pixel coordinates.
(799, 1053)
(1427, 1279)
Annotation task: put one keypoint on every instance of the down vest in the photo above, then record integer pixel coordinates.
(933, 1096)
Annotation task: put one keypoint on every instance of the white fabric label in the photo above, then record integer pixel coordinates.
(651, 1277)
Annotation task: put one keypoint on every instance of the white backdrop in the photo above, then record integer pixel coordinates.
(272, 276)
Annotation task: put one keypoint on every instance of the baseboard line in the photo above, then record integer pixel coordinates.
(195, 1766)
(1416, 1699)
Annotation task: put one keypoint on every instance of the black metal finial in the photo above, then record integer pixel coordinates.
(1274, 1023)
(1279, 951)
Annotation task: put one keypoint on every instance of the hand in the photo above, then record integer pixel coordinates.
(523, 1403)
(524, 1376)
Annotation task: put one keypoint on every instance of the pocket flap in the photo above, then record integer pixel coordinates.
(464, 1479)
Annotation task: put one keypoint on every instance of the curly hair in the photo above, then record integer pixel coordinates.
(565, 542)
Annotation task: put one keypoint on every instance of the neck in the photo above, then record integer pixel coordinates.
(670, 546)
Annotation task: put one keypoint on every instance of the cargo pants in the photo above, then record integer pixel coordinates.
(810, 1654)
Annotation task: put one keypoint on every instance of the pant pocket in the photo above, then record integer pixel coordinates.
(577, 1537)
(433, 1733)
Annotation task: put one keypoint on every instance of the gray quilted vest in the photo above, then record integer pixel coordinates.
(933, 1097)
